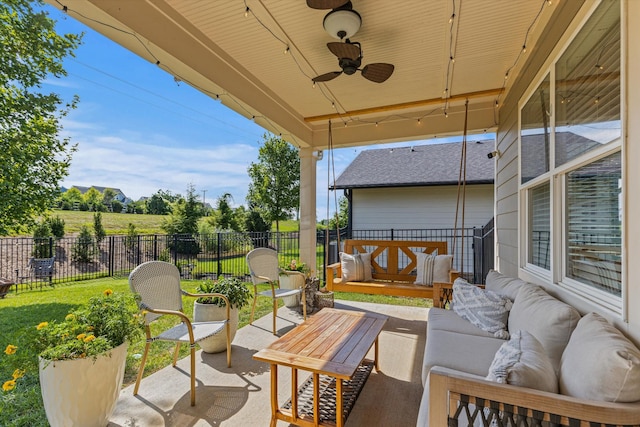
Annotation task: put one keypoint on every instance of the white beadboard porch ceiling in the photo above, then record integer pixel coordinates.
(213, 46)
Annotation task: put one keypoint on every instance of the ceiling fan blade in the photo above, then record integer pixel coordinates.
(326, 77)
(378, 72)
(326, 4)
(344, 50)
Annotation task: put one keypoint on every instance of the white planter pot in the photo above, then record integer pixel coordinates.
(82, 392)
(292, 281)
(209, 312)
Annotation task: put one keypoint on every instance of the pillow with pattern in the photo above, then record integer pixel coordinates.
(485, 309)
(432, 268)
(522, 361)
(356, 267)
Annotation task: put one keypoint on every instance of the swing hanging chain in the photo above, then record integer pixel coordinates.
(462, 188)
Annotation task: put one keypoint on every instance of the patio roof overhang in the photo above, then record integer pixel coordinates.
(440, 62)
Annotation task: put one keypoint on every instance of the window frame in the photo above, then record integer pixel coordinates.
(557, 179)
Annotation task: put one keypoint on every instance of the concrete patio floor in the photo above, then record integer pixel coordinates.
(239, 396)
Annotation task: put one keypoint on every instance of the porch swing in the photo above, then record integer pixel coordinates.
(408, 268)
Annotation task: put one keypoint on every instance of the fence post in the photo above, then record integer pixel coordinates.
(111, 256)
(175, 249)
(51, 248)
(155, 247)
(218, 255)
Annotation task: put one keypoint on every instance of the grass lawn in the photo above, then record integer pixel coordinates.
(22, 312)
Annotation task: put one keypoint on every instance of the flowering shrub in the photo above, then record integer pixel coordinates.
(102, 324)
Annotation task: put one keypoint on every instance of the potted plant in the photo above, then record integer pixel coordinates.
(212, 308)
(82, 359)
(293, 275)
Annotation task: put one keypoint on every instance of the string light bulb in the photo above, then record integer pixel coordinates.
(453, 16)
(376, 124)
(452, 59)
(419, 121)
(286, 50)
(446, 114)
(246, 12)
(524, 48)
(313, 85)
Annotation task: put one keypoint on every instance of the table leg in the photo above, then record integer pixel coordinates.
(316, 399)
(339, 419)
(294, 394)
(274, 394)
(375, 355)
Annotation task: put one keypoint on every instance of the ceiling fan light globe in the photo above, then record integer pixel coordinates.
(342, 23)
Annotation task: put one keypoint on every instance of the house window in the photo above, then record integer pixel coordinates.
(539, 253)
(571, 162)
(535, 133)
(594, 236)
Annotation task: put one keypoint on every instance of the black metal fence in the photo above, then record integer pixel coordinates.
(197, 256)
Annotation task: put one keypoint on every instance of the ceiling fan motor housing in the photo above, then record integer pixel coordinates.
(350, 66)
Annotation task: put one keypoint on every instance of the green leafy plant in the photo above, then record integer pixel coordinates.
(103, 324)
(98, 228)
(57, 226)
(231, 287)
(293, 265)
(41, 235)
(84, 247)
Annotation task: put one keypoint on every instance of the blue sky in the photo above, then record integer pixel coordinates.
(140, 131)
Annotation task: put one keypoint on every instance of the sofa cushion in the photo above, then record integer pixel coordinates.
(432, 268)
(522, 361)
(356, 267)
(548, 319)
(600, 363)
(448, 320)
(467, 353)
(485, 309)
(504, 285)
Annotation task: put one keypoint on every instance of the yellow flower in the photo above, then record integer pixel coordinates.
(70, 317)
(89, 338)
(11, 349)
(42, 325)
(81, 336)
(18, 373)
(107, 292)
(9, 385)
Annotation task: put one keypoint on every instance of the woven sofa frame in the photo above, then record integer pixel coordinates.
(451, 395)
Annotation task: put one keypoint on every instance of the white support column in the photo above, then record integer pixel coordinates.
(308, 207)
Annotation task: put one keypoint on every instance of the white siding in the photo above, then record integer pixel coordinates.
(419, 207)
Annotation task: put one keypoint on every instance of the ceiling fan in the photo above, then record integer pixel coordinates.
(350, 59)
(341, 23)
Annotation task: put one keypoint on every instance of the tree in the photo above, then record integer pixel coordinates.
(342, 215)
(226, 217)
(70, 197)
(108, 196)
(184, 220)
(98, 229)
(93, 198)
(33, 159)
(157, 205)
(275, 180)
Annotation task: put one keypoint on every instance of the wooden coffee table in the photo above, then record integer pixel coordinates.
(332, 345)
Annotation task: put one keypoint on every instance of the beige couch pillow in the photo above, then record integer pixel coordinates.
(548, 319)
(356, 267)
(600, 363)
(504, 285)
(522, 361)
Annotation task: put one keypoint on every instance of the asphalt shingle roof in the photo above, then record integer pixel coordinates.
(419, 165)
